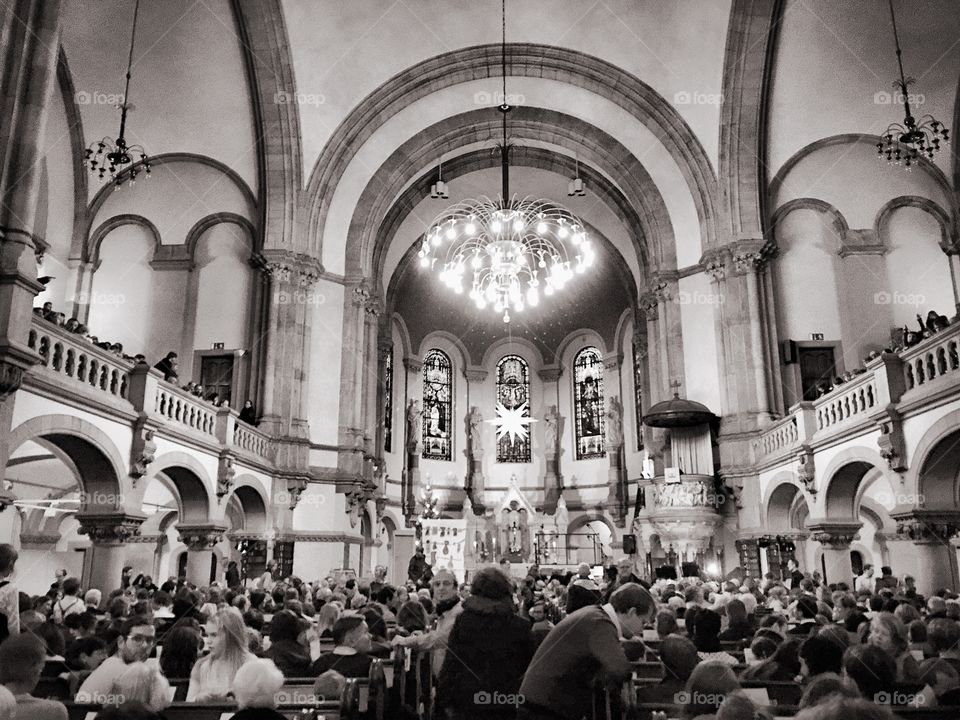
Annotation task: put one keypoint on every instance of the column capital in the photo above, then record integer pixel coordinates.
(649, 302)
(200, 537)
(927, 527)
(835, 534)
(110, 528)
(286, 266)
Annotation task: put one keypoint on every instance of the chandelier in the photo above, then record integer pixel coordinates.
(113, 156)
(907, 143)
(508, 250)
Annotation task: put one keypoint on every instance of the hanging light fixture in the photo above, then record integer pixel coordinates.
(576, 187)
(108, 156)
(439, 188)
(509, 250)
(905, 144)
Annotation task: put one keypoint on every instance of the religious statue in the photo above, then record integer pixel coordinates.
(551, 421)
(475, 422)
(414, 417)
(513, 536)
(614, 421)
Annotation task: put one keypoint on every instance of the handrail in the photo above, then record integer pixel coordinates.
(934, 357)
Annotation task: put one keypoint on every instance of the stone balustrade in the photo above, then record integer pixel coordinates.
(71, 360)
(853, 400)
(936, 357)
(783, 436)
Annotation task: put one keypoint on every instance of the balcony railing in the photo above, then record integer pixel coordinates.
(75, 361)
(69, 361)
(848, 406)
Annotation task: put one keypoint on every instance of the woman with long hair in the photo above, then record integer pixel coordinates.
(213, 675)
(181, 646)
(326, 618)
(889, 634)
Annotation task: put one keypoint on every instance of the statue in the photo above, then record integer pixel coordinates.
(414, 417)
(614, 422)
(475, 423)
(513, 536)
(551, 422)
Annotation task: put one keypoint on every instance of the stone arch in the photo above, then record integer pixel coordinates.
(209, 221)
(399, 184)
(498, 348)
(524, 60)
(588, 517)
(98, 462)
(429, 340)
(924, 165)
(92, 249)
(781, 501)
(563, 348)
(191, 482)
(947, 230)
(80, 174)
(932, 481)
(396, 320)
(842, 480)
(254, 501)
(839, 221)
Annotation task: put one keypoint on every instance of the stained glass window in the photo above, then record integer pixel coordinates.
(638, 395)
(588, 403)
(437, 406)
(513, 391)
(388, 400)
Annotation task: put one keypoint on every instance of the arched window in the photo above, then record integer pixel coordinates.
(588, 403)
(638, 394)
(388, 399)
(437, 406)
(513, 392)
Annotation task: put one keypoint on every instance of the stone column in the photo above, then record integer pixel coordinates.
(656, 386)
(200, 541)
(411, 439)
(932, 559)
(553, 423)
(835, 537)
(286, 356)
(109, 533)
(29, 41)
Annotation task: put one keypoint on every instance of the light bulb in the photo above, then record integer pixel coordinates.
(533, 297)
(491, 293)
(436, 239)
(495, 226)
(562, 232)
(470, 228)
(451, 232)
(541, 227)
(518, 226)
(548, 290)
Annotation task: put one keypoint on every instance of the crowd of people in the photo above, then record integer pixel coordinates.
(501, 647)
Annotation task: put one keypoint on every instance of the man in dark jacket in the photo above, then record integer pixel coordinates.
(679, 658)
(559, 681)
(488, 651)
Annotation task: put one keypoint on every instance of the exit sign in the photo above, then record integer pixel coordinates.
(816, 336)
(218, 346)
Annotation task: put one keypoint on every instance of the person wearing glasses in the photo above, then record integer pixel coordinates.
(137, 636)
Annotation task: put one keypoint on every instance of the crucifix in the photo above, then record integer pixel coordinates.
(675, 384)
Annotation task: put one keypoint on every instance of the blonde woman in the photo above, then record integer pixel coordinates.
(326, 618)
(212, 677)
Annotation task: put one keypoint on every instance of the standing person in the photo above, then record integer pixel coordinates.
(212, 677)
(168, 366)
(887, 579)
(417, 566)
(489, 650)
(9, 597)
(865, 582)
(248, 413)
(69, 603)
(558, 682)
(233, 575)
(796, 577)
(448, 607)
(379, 580)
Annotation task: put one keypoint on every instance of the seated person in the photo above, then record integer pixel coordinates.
(286, 652)
(21, 662)
(819, 655)
(351, 644)
(873, 670)
(942, 679)
(679, 658)
(255, 689)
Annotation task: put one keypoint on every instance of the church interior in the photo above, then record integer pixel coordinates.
(714, 248)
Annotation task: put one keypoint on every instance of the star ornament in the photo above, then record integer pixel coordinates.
(512, 422)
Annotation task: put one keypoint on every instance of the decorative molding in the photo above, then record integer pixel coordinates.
(891, 442)
(807, 469)
(200, 537)
(837, 535)
(225, 475)
(110, 528)
(865, 241)
(927, 527)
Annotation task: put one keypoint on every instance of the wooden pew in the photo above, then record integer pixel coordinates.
(413, 678)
